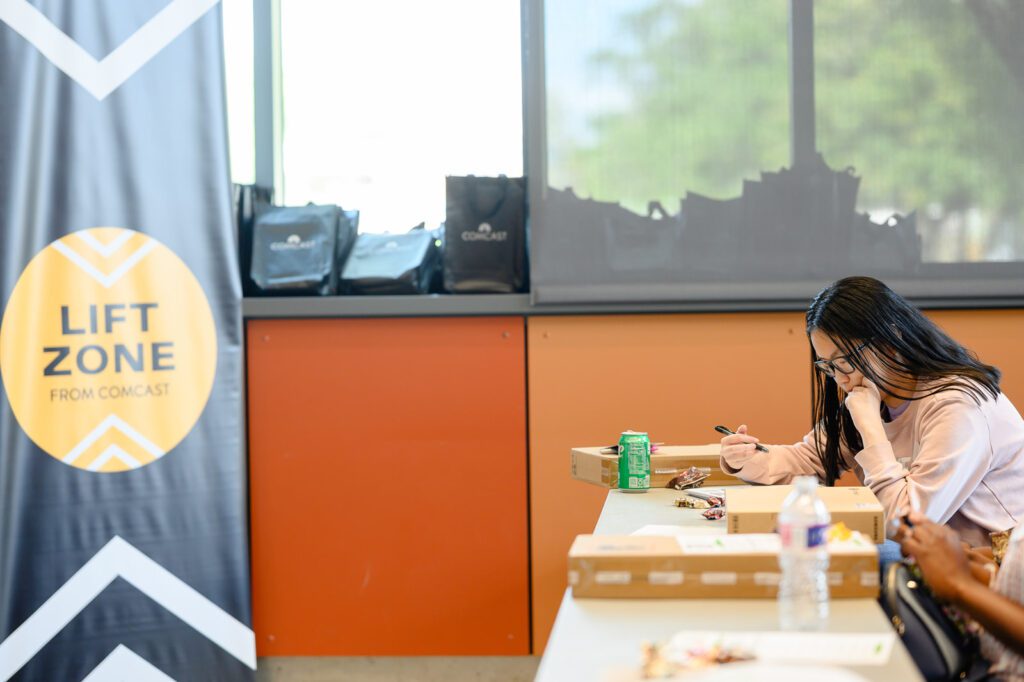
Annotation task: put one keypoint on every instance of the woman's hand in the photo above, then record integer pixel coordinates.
(939, 554)
(946, 569)
(738, 447)
(978, 553)
(865, 405)
(983, 565)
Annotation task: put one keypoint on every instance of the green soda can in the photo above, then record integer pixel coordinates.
(634, 462)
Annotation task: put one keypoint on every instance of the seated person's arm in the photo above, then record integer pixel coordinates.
(777, 466)
(952, 459)
(947, 571)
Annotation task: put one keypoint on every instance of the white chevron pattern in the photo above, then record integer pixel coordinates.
(100, 78)
(113, 452)
(112, 421)
(107, 280)
(124, 665)
(105, 250)
(120, 559)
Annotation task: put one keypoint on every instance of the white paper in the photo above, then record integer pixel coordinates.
(784, 672)
(835, 648)
(691, 541)
(748, 543)
(825, 647)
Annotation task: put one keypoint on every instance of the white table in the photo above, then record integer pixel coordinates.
(594, 637)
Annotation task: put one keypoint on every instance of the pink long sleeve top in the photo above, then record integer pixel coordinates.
(963, 461)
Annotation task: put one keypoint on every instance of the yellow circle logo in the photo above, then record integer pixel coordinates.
(107, 349)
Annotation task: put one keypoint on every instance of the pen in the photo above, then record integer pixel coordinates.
(722, 429)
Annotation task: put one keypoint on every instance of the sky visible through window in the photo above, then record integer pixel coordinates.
(382, 100)
(238, 65)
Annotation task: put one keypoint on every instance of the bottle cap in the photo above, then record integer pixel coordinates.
(806, 483)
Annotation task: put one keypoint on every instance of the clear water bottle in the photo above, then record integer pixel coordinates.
(803, 591)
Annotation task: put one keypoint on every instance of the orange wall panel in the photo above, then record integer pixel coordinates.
(388, 486)
(677, 376)
(997, 336)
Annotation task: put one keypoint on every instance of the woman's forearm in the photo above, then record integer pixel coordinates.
(1001, 617)
(873, 434)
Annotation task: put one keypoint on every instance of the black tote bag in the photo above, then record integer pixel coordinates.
(942, 652)
(249, 202)
(391, 264)
(485, 234)
(295, 250)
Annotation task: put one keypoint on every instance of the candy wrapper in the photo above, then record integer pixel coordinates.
(714, 513)
(693, 502)
(661, 661)
(691, 478)
(712, 501)
(1000, 541)
(838, 532)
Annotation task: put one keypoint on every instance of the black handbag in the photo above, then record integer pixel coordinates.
(296, 250)
(941, 650)
(391, 264)
(485, 234)
(249, 202)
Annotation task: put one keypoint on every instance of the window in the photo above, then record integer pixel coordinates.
(649, 100)
(239, 80)
(755, 150)
(679, 150)
(382, 100)
(926, 100)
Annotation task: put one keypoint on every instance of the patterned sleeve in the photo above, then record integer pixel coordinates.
(1009, 582)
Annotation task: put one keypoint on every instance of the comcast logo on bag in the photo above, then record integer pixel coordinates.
(108, 349)
(293, 243)
(484, 233)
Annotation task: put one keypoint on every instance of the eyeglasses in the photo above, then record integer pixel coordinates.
(840, 363)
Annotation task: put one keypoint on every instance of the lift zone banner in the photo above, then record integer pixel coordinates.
(123, 496)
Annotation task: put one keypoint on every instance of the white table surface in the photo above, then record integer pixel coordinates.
(593, 639)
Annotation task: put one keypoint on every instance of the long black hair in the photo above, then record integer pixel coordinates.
(858, 311)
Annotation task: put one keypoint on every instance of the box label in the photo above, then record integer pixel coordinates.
(613, 577)
(869, 578)
(665, 577)
(718, 578)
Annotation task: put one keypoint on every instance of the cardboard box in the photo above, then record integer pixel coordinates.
(755, 509)
(593, 466)
(706, 566)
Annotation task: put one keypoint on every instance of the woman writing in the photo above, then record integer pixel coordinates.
(917, 418)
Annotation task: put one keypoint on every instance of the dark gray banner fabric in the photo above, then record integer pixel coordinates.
(123, 498)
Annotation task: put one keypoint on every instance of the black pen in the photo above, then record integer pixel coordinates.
(722, 429)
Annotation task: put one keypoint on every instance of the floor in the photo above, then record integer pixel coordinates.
(407, 669)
